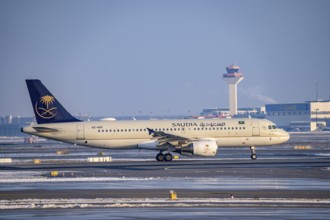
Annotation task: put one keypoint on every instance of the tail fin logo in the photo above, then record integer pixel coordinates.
(45, 107)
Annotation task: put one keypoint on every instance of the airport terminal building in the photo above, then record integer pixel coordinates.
(308, 116)
(256, 112)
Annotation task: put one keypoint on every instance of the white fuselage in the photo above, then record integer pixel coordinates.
(133, 134)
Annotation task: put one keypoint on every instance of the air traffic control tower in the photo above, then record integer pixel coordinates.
(233, 77)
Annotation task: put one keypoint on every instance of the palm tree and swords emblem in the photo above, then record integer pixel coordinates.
(44, 107)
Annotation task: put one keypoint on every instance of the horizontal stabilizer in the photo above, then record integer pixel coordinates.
(45, 129)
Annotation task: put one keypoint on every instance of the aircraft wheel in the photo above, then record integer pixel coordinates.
(160, 157)
(253, 156)
(168, 157)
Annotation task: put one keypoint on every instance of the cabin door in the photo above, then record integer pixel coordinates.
(255, 128)
(80, 131)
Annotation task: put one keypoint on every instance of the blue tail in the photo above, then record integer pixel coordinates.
(45, 106)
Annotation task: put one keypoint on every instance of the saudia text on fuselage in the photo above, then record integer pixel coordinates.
(195, 124)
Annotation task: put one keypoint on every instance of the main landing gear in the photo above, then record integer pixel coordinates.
(164, 157)
(253, 153)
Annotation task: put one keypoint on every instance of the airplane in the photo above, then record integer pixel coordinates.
(189, 137)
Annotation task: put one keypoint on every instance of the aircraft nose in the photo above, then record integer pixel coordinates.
(286, 135)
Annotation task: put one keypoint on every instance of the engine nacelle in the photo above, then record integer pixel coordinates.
(149, 145)
(200, 148)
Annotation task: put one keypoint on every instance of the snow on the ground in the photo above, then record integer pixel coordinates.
(151, 202)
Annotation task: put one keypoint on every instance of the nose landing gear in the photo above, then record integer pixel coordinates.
(253, 153)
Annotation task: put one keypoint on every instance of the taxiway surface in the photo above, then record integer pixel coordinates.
(286, 177)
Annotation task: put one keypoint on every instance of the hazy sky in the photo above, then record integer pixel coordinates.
(108, 58)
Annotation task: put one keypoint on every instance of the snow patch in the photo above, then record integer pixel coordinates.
(150, 202)
(31, 179)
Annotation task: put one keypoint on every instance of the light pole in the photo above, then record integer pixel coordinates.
(316, 111)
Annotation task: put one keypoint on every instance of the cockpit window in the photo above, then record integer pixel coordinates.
(271, 127)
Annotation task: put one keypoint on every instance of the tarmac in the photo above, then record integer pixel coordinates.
(284, 176)
(163, 193)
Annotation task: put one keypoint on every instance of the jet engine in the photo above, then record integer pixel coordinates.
(149, 145)
(200, 148)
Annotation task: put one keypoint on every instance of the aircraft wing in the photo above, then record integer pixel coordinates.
(163, 138)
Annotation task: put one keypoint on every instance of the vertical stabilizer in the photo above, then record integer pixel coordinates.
(46, 107)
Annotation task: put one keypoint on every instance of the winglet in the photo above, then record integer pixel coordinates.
(151, 132)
